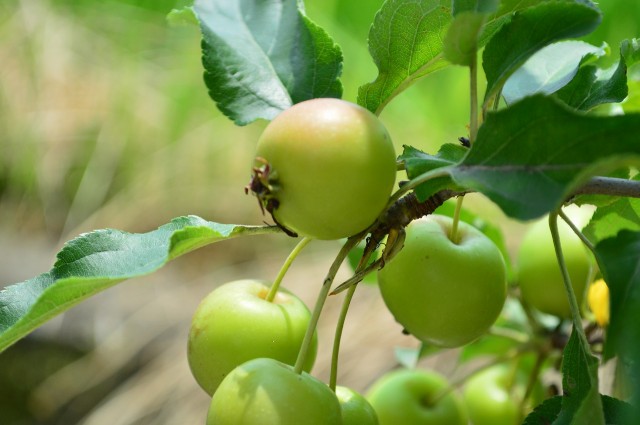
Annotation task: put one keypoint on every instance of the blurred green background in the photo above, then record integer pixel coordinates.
(105, 122)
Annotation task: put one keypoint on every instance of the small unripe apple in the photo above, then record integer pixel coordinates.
(493, 396)
(235, 323)
(268, 392)
(445, 292)
(416, 397)
(329, 168)
(539, 275)
(356, 410)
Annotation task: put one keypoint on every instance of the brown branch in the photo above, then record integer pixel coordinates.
(610, 186)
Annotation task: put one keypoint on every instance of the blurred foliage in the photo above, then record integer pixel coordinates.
(103, 110)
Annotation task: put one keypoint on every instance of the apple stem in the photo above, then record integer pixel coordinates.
(573, 302)
(322, 297)
(283, 270)
(577, 231)
(333, 378)
(508, 333)
(453, 236)
(360, 268)
(531, 383)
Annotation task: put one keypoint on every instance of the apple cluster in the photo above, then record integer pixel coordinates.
(241, 350)
(325, 169)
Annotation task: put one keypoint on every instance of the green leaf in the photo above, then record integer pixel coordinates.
(480, 6)
(619, 261)
(184, 16)
(98, 260)
(549, 69)
(417, 162)
(632, 102)
(529, 157)
(262, 57)
(529, 31)
(593, 86)
(614, 411)
(607, 221)
(630, 51)
(581, 403)
(503, 15)
(545, 413)
(461, 41)
(405, 42)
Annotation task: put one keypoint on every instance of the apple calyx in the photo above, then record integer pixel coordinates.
(263, 184)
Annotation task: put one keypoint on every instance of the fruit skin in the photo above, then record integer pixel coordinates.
(539, 275)
(598, 300)
(234, 324)
(445, 293)
(405, 397)
(266, 391)
(493, 396)
(332, 165)
(356, 410)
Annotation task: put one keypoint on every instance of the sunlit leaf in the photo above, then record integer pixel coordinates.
(528, 158)
(98, 260)
(262, 57)
(405, 42)
(549, 69)
(183, 16)
(608, 220)
(417, 162)
(530, 30)
(593, 86)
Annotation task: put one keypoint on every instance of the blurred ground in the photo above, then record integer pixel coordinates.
(105, 122)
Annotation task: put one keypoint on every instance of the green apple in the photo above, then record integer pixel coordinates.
(539, 275)
(356, 410)
(268, 392)
(493, 396)
(443, 292)
(328, 168)
(416, 397)
(235, 323)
